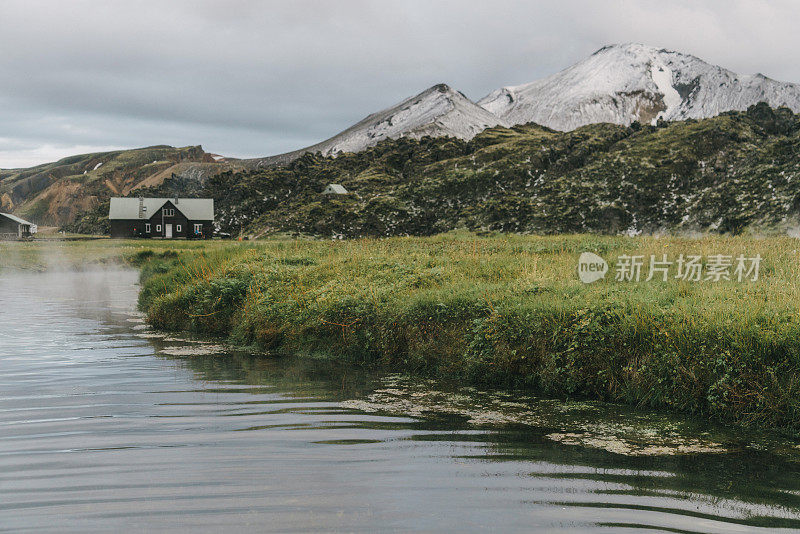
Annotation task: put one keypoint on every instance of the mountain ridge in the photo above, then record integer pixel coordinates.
(618, 84)
(631, 82)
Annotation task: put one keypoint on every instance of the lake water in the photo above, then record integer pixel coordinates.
(107, 426)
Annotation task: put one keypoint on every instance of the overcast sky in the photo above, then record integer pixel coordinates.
(257, 78)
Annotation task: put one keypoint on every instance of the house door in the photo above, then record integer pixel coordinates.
(168, 231)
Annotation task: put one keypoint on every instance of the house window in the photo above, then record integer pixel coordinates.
(169, 212)
(177, 227)
(198, 228)
(158, 228)
(147, 228)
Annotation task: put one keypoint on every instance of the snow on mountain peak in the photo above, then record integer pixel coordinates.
(438, 111)
(627, 82)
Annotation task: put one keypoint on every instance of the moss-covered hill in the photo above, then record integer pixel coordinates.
(55, 193)
(727, 173)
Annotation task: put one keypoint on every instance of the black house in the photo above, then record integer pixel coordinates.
(162, 218)
(12, 227)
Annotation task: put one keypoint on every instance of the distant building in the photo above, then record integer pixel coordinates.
(334, 189)
(162, 218)
(12, 227)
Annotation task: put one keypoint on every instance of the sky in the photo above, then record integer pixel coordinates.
(257, 78)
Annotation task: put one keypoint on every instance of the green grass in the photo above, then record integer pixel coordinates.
(506, 311)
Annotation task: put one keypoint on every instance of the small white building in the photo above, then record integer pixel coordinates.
(334, 189)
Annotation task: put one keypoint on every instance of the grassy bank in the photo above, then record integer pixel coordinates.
(507, 311)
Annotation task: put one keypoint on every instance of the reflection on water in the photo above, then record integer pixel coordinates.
(105, 425)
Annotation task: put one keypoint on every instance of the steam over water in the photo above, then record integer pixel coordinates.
(106, 426)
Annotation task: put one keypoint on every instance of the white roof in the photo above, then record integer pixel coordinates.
(16, 219)
(195, 209)
(335, 188)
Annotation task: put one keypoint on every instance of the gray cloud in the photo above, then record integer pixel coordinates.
(253, 78)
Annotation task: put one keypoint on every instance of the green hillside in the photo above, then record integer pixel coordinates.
(728, 173)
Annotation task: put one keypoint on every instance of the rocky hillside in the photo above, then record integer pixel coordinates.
(621, 84)
(55, 193)
(729, 173)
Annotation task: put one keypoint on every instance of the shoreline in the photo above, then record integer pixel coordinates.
(503, 311)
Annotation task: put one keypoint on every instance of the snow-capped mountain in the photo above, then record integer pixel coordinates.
(438, 112)
(624, 83)
(618, 84)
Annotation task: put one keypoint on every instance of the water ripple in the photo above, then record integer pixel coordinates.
(106, 426)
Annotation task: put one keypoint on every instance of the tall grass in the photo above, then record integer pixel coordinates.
(509, 310)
